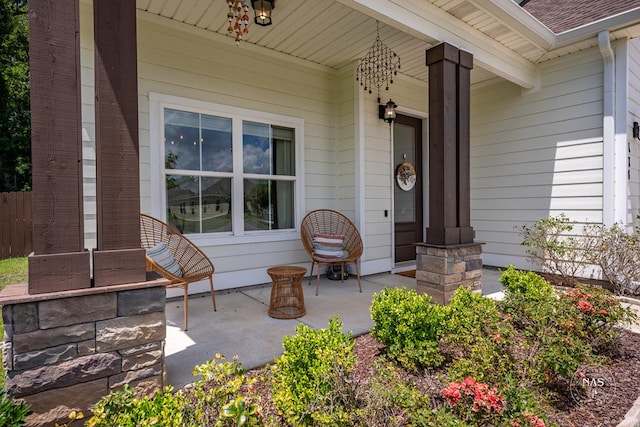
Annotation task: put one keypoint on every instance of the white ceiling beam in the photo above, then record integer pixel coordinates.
(427, 22)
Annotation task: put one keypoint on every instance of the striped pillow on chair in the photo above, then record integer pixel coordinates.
(329, 246)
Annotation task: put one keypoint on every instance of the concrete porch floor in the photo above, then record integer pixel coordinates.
(242, 327)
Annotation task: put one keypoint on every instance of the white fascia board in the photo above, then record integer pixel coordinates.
(518, 19)
(427, 22)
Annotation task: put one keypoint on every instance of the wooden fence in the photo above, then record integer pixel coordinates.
(15, 225)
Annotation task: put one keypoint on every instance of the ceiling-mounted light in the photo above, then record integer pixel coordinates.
(263, 9)
(387, 112)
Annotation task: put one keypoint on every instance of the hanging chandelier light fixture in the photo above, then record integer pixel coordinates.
(378, 66)
(238, 17)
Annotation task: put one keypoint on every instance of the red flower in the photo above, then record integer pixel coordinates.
(585, 306)
(535, 421)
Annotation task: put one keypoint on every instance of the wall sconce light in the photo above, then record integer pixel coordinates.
(636, 130)
(263, 9)
(387, 112)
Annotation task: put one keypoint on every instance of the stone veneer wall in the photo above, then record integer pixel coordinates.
(65, 352)
(440, 270)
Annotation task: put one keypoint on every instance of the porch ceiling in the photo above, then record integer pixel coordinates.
(337, 33)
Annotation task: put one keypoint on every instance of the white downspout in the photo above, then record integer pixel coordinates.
(608, 130)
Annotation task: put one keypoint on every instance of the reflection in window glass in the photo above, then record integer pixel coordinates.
(197, 142)
(198, 204)
(181, 133)
(216, 144)
(267, 150)
(268, 204)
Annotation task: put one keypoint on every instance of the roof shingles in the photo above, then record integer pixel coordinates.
(564, 15)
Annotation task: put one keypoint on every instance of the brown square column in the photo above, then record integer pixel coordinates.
(449, 196)
(449, 258)
(59, 261)
(464, 142)
(119, 257)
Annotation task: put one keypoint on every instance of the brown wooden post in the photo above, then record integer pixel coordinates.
(59, 261)
(119, 257)
(464, 143)
(449, 195)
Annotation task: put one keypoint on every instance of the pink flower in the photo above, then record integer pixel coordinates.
(484, 397)
(452, 394)
(585, 306)
(535, 421)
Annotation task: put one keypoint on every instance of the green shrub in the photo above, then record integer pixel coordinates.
(409, 325)
(477, 338)
(223, 394)
(388, 400)
(553, 247)
(528, 297)
(553, 345)
(528, 284)
(439, 417)
(601, 316)
(12, 413)
(310, 384)
(221, 398)
(122, 408)
(618, 256)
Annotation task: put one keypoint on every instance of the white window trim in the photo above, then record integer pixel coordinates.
(157, 103)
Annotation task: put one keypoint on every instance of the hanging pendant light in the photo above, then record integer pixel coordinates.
(378, 67)
(263, 9)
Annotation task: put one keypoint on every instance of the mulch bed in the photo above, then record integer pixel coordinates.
(602, 410)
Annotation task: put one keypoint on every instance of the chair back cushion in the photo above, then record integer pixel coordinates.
(330, 246)
(161, 255)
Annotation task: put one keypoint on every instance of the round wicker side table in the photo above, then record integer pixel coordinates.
(287, 299)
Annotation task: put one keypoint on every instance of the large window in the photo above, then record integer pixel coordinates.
(229, 174)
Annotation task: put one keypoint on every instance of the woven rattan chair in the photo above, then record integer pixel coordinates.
(194, 264)
(330, 222)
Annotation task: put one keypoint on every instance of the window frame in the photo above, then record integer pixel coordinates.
(158, 103)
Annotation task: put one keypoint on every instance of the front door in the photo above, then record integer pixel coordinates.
(407, 157)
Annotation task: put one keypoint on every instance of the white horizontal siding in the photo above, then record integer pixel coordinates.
(346, 146)
(87, 97)
(536, 155)
(634, 144)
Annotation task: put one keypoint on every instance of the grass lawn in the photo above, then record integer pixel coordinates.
(12, 270)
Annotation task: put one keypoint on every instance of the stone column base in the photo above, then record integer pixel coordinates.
(440, 270)
(63, 351)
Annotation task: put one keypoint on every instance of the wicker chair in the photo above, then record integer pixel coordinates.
(194, 264)
(330, 222)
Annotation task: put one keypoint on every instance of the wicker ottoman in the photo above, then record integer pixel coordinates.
(287, 299)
